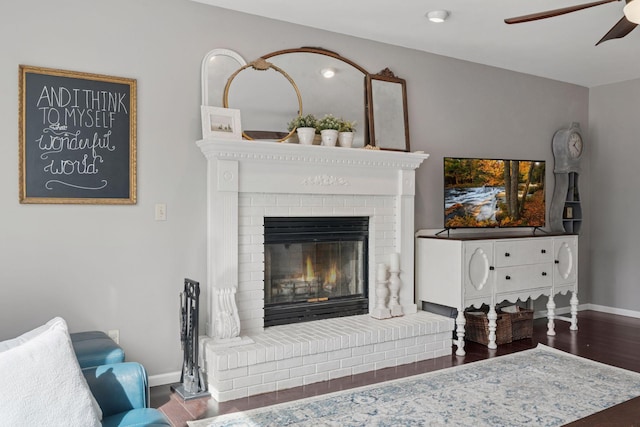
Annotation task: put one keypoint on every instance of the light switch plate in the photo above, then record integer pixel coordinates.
(161, 212)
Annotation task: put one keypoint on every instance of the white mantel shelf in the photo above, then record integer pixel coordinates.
(316, 154)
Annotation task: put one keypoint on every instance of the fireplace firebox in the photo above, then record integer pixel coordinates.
(315, 268)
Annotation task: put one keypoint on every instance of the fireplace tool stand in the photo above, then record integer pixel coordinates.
(192, 384)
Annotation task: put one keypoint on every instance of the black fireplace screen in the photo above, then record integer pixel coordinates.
(315, 268)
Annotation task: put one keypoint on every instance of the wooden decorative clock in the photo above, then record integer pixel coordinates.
(565, 213)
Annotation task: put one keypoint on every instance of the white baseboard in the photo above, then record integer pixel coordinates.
(613, 310)
(594, 307)
(164, 379)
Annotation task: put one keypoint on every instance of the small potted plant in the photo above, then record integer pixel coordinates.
(345, 133)
(328, 127)
(305, 128)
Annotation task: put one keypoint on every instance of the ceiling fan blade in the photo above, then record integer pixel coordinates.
(555, 12)
(621, 29)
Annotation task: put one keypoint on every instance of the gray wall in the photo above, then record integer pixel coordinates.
(114, 267)
(615, 149)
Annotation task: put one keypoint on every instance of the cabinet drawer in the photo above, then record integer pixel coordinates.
(523, 252)
(524, 277)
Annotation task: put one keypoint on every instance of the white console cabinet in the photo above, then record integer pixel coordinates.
(464, 271)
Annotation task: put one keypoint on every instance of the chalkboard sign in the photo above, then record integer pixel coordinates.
(77, 137)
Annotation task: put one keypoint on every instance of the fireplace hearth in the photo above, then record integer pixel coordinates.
(315, 268)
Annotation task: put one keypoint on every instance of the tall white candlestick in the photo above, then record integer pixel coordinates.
(382, 271)
(395, 262)
(380, 311)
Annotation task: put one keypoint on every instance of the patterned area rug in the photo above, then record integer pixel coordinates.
(538, 387)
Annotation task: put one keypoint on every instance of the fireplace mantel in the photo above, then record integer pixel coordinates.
(274, 152)
(278, 171)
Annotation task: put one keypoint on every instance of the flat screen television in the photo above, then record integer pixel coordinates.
(481, 193)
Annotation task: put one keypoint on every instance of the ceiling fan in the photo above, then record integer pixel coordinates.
(624, 26)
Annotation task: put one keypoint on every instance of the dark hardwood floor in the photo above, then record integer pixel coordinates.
(607, 338)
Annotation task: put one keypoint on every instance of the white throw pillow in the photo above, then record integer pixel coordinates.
(41, 383)
(6, 345)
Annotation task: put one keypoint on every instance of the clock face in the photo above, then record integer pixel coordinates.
(575, 145)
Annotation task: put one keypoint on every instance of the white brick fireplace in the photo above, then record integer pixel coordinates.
(248, 181)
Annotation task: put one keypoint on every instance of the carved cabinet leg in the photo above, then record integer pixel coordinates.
(460, 324)
(551, 314)
(493, 317)
(574, 311)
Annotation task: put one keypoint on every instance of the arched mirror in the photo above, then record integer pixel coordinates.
(267, 97)
(268, 103)
(217, 66)
(329, 84)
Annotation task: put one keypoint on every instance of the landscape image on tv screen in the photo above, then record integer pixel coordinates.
(493, 193)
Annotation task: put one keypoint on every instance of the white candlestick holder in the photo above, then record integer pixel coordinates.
(380, 311)
(394, 289)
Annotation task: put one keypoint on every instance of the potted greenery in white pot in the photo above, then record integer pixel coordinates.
(328, 127)
(305, 128)
(345, 133)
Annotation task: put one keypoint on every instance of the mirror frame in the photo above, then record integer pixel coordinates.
(319, 51)
(205, 67)
(261, 64)
(386, 75)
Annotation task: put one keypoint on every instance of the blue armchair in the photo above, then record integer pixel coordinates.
(122, 391)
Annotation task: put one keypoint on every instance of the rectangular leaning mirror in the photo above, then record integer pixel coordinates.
(388, 116)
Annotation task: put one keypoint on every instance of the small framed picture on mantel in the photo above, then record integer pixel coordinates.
(221, 123)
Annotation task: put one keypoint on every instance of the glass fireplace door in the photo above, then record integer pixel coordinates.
(313, 271)
(315, 268)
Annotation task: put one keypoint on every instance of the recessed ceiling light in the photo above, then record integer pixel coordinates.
(327, 73)
(438, 15)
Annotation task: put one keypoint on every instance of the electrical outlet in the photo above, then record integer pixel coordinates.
(161, 212)
(114, 334)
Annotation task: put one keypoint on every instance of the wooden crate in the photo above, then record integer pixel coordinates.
(521, 321)
(477, 327)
